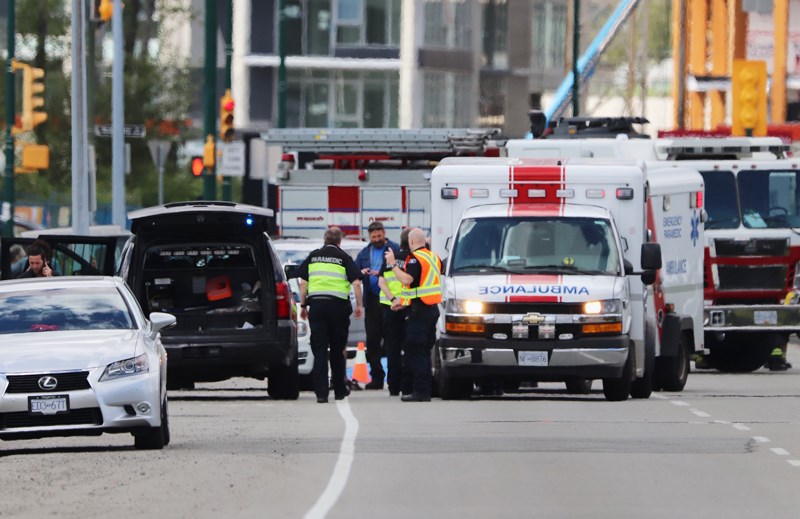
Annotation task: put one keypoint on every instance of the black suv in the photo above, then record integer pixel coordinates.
(212, 265)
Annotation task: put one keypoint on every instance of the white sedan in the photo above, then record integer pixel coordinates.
(78, 357)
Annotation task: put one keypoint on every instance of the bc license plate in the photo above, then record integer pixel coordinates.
(765, 317)
(533, 358)
(51, 404)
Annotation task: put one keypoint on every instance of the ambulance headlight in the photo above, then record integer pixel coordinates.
(606, 306)
(459, 306)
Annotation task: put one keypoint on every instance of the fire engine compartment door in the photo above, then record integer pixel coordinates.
(303, 211)
(418, 204)
(383, 205)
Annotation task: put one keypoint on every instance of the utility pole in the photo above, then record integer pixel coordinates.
(228, 35)
(80, 173)
(210, 126)
(282, 64)
(118, 216)
(8, 182)
(576, 29)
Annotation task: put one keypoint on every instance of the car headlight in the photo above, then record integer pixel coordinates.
(606, 306)
(127, 367)
(459, 306)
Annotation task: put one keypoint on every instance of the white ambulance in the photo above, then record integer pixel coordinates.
(540, 279)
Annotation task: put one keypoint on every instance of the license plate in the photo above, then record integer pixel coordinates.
(768, 317)
(50, 404)
(519, 331)
(533, 358)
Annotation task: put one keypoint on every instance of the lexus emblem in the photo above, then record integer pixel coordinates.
(48, 383)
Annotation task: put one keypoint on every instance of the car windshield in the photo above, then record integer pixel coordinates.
(769, 199)
(535, 245)
(55, 309)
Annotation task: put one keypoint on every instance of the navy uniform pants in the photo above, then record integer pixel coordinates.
(329, 320)
(420, 337)
(394, 332)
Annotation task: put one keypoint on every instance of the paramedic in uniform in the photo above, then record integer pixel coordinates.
(327, 274)
(394, 321)
(421, 278)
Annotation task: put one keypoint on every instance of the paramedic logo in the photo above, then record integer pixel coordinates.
(695, 234)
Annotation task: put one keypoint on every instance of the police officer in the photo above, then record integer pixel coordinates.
(421, 278)
(394, 321)
(325, 301)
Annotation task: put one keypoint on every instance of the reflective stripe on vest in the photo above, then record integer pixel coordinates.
(430, 285)
(328, 279)
(395, 287)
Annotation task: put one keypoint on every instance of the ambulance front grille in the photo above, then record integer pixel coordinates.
(741, 277)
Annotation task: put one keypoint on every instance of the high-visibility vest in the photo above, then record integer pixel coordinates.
(395, 287)
(328, 279)
(429, 290)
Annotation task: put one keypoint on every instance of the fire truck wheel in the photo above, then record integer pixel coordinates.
(579, 386)
(672, 372)
(618, 389)
(742, 352)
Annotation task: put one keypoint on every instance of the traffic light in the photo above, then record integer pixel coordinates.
(32, 97)
(226, 130)
(196, 166)
(209, 152)
(749, 101)
(105, 9)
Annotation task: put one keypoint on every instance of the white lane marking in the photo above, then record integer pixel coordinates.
(794, 463)
(341, 471)
(761, 439)
(722, 422)
(680, 403)
(701, 414)
(741, 427)
(779, 451)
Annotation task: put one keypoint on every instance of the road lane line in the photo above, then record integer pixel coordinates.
(722, 422)
(780, 452)
(341, 471)
(701, 414)
(680, 403)
(741, 427)
(761, 439)
(794, 463)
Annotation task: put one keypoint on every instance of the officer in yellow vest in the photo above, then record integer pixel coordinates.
(422, 285)
(327, 275)
(394, 321)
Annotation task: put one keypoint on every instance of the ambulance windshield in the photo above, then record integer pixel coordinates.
(534, 245)
(757, 198)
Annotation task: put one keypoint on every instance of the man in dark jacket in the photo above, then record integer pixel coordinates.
(369, 261)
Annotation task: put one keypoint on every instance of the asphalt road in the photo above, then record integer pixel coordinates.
(728, 446)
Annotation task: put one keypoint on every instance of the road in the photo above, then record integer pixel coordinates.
(728, 446)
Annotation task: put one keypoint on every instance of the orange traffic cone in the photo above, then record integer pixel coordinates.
(360, 372)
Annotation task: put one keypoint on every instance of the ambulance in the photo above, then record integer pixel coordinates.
(570, 271)
(752, 247)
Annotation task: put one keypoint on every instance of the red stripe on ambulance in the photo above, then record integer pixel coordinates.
(534, 279)
(548, 176)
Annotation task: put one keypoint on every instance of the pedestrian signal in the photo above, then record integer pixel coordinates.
(196, 166)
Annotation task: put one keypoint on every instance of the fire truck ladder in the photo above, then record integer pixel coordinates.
(392, 142)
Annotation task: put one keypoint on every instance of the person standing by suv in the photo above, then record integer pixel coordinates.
(369, 261)
(327, 275)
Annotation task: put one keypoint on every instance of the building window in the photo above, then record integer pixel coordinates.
(446, 100)
(550, 28)
(495, 34)
(342, 99)
(319, 28)
(448, 23)
(368, 22)
(491, 107)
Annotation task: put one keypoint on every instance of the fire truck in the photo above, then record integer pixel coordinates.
(353, 177)
(752, 242)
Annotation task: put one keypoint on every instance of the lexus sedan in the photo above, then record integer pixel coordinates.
(79, 358)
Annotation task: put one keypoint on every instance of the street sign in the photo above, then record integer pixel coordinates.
(133, 131)
(231, 159)
(159, 150)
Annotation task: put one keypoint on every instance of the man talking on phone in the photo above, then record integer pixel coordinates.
(38, 262)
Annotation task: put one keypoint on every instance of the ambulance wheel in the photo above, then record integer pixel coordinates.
(579, 386)
(643, 387)
(618, 389)
(454, 388)
(673, 372)
(743, 352)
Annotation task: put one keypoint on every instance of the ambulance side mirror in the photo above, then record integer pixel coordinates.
(651, 256)
(628, 267)
(648, 277)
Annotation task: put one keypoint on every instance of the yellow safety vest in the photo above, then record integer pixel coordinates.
(395, 287)
(328, 279)
(430, 285)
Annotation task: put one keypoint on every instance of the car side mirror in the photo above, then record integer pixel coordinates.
(162, 321)
(291, 271)
(648, 277)
(651, 256)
